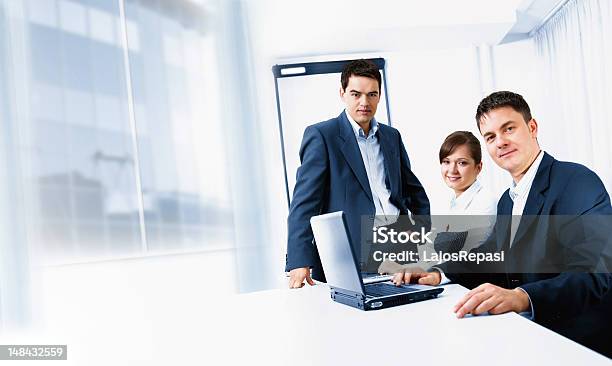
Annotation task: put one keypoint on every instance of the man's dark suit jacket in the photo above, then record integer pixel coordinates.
(556, 252)
(332, 177)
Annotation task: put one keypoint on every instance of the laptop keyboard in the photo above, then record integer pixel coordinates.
(385, 289)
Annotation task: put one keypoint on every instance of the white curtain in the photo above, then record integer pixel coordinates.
(575, 48)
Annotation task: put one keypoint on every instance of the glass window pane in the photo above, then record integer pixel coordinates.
(182, 158)
(81, 162)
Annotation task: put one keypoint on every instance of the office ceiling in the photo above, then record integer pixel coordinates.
(284, 28)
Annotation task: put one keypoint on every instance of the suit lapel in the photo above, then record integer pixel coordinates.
(352, 154)
(390, 158)
(504, 217)
(536, 198)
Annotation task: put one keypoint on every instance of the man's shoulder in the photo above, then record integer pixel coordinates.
(388, 129)
(327, 126)
(568, 170)
(578, 189)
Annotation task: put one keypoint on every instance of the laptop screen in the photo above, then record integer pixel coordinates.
(335, 252)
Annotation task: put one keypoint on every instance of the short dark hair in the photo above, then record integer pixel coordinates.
(360, 68)
(460, 138)
(503, 99)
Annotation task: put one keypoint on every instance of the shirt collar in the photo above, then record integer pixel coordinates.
(521, 189)
(358, 130)
(466, 197)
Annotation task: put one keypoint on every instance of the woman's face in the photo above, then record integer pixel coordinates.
(459, 170)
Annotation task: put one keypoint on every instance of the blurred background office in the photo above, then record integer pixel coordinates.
(140, 147)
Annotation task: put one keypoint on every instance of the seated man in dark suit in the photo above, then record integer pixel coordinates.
(553, 224)
(350, 163)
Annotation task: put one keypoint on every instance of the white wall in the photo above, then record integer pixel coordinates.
(432, 93)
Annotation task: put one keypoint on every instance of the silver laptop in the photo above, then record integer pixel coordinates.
(344, 277)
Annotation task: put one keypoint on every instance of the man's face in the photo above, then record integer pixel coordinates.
(361, 98)
(511, 142)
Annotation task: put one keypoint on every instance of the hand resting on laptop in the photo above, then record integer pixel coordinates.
(409, 274)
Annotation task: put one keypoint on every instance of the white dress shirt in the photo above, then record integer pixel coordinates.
(476, 200)
(373, 160)
(478, 208)
(519, 193)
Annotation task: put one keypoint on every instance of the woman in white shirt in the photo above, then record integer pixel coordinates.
(472, 209)
(460, 163)
(472, 205)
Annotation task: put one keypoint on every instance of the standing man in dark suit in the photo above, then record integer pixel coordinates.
(350, 163)
(553, 224)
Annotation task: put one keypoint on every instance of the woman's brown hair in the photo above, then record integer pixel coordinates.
(458, 138)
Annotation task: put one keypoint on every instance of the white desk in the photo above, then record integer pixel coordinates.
(185, 325)
(305, 327)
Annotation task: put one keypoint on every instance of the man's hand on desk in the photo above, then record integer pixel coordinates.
(297, 277)
(491, 298)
